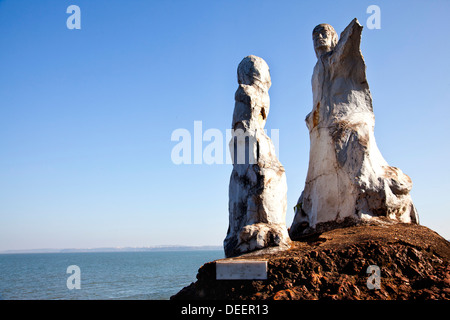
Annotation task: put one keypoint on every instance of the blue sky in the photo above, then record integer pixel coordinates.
(87, 115)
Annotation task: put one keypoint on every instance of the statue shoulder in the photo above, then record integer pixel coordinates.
(349, 42)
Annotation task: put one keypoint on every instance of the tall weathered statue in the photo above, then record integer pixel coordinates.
(257, 191)
(348, 180)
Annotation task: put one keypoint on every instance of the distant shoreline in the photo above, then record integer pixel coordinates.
(116, 249)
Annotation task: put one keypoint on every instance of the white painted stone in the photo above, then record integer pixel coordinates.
(258, 189)
(348, 179)
(241, 270)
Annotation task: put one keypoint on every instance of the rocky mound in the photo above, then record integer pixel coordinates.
(413, 260)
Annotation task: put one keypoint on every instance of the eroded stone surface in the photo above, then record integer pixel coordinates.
(348, 179)
(257, 191)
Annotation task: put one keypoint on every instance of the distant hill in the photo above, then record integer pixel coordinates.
(117, 249)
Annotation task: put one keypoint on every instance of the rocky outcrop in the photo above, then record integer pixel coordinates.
(348, 180)
(414, 263)
(257, 190)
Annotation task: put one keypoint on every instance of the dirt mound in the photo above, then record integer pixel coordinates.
(413, 262)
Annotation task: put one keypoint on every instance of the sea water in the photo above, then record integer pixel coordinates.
(102, 275)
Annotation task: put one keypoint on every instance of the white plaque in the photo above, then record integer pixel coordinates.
(241, 270)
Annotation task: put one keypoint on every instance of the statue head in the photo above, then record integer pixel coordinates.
(324, 38)
(254, 70)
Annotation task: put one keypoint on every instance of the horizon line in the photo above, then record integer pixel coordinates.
(115, 249)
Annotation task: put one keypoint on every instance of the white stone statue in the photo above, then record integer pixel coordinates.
(257, 191)
(348, 180)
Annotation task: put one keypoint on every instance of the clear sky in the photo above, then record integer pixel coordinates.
(87, 115)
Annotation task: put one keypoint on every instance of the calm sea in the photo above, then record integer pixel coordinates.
(103, 275)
